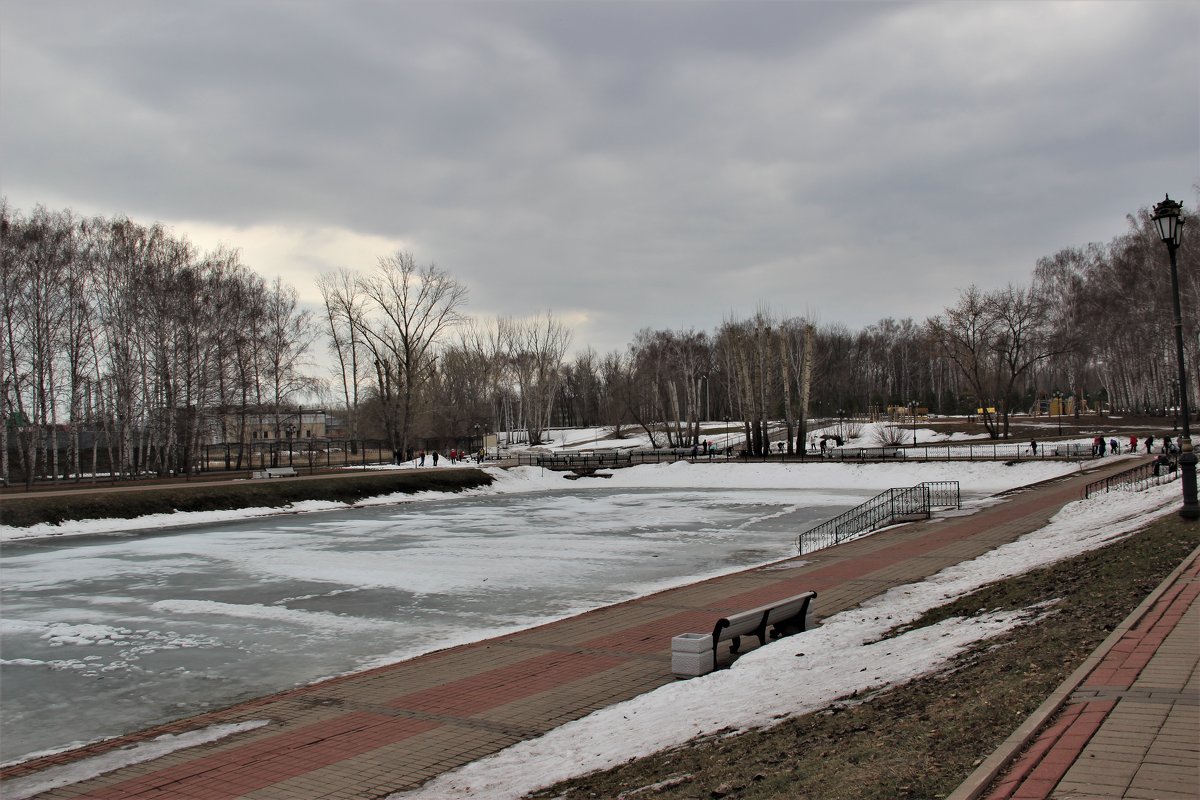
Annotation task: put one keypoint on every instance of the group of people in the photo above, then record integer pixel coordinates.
(708, 448)
(455, 456)
(1100, 447)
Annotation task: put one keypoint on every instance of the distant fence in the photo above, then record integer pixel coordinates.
(1008, 451)
(595, 460)
(307, 453)
(144, 463)
(881, 510)
(591, 459)
(1134, 479)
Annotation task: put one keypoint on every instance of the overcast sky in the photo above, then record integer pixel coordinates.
(621, 164)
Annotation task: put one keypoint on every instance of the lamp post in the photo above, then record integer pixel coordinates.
(727, 437)
(913, 405)
(291, 429)
(1169, 218)
(1175, 404)
(1058, 410)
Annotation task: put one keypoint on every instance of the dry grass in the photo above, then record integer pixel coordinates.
(923, 739)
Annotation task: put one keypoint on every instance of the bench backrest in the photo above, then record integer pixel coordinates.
(800, 605)
(757, 620)
(739, 624)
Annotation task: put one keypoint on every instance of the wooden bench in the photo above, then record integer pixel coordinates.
(275, 472)
(783, 618)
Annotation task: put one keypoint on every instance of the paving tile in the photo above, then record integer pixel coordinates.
(1147, 743)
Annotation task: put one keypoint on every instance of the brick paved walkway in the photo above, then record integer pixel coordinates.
(1126, 723)
(372, 733)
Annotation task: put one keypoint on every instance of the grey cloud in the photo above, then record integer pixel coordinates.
(652, 163)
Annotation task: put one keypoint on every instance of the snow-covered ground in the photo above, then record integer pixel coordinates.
(805, 673)
(684, 710)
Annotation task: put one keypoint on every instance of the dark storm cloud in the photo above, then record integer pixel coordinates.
(633, 163)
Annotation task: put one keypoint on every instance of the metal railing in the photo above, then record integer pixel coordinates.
(1009, 451)
(943, 494)
(881, 510)
(628, 458)
(1134, 479)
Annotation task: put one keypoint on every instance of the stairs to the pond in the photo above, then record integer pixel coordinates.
(905, 504)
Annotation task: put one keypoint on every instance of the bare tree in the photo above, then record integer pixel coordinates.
(410, 310)
(536, 348)
(287, 335)
(1023, 339)
(996, 340)
(965, 334)
(344, 310)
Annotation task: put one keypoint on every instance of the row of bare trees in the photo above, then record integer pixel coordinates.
(406, 352)
(119, 329)
(1095, 324)
(119, 341)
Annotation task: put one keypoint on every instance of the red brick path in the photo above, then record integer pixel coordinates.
(1131, 728)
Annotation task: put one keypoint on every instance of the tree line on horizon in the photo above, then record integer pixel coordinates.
(130, 334)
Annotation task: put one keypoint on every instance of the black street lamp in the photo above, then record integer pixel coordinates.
(1168, 216)
(1175, 404)
(291, 429)
(1058, 410)
(913, 405)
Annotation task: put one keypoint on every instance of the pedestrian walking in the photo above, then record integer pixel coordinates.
(1103, 446)
(1033, 446)
(435, 457)
(1149, 443)
(422, 463)
(1133, 444)
(1114, 446)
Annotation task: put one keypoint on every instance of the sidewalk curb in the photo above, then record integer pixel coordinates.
(979, 780)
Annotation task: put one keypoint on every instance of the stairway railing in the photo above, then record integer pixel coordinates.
(880, 511)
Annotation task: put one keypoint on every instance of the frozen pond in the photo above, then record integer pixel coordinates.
(107, 634)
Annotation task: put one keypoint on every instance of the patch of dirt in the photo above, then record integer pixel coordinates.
(920, 740)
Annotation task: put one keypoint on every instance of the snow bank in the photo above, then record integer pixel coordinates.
(803, 673)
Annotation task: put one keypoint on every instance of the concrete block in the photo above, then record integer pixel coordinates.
(691, 643)
(691, 655)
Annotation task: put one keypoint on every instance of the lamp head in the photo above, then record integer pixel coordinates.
(1168, 216)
